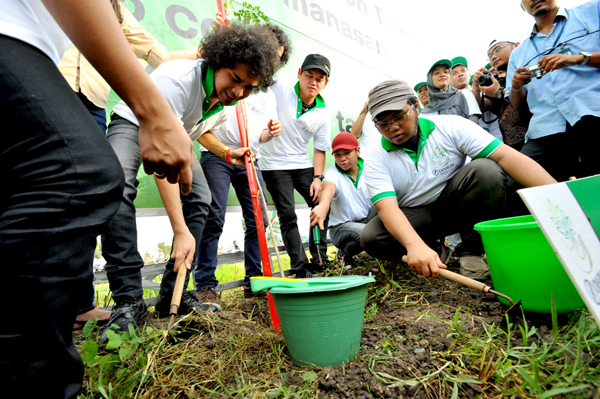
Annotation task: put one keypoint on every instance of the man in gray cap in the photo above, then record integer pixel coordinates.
(422, 190)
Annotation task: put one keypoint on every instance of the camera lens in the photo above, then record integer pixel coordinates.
(485, 79)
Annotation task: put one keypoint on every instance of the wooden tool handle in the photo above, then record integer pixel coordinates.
(178, 291)
(467, 282)
(460, 279)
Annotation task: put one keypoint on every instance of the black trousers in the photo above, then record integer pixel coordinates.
(572, 153)
(62, 184)
(281, 185)
(476, 193)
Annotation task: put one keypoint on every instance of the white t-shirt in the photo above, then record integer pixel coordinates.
(351, 202)
(288, 151)
(260, 108)
(369, 138)
(445, 143)
(188, 94)
(471, 101)
(30, 22)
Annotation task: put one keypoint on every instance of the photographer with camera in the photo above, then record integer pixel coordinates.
(489, 86)
(555, 72)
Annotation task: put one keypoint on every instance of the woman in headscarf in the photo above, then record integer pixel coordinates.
(443, 98)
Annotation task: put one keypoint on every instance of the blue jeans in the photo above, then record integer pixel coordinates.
(119, 245)
(62, 186)
(219, 175)
(281, 185)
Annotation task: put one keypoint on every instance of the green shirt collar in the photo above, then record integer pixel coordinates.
(360, 163)
(318, 99)
(426, 127)
(208, 83)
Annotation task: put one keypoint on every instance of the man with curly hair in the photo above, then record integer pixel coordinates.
(263, 126)
(235, 62)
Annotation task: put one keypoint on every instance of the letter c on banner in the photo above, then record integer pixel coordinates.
(170, 16)
(140, 11)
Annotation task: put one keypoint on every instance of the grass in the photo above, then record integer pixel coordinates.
(224, 274)
(238, 355)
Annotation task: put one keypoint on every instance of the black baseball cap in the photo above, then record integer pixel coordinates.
(317, 61)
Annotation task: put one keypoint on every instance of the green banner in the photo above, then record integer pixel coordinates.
(355, 35)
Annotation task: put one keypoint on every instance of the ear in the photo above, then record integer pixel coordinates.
(517, 44)
(326, 82)
(299, 72)
(358, 151)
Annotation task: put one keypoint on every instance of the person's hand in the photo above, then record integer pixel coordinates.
(365, 108)
(184, 246)
(423, 260)
(318, 215)
(236, 157)
(552, 62)
(166, 149)
(315, 190)
(491, 90)
(475, 83)
(219, 22)
(274, 127)
(519, 79)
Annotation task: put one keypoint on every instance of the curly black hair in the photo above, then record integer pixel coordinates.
(284, 41)
(253, 45)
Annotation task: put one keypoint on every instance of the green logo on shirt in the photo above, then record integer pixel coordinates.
(440, 155)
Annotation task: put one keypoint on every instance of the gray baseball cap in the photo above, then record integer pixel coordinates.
(390, 95)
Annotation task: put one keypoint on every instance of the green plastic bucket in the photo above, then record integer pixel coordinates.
(524, 266)
(322, 323)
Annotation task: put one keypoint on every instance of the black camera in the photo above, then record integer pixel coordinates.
(486, 78)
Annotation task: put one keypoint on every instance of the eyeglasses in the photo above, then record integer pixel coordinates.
(496, 50)
(399, 121)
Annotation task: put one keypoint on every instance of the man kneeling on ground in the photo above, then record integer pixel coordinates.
(422, 189)
(345, 192)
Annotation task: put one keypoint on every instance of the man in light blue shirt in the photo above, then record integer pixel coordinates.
(565, 100)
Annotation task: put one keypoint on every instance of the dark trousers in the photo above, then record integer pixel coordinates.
(219, 175)
(62, 184)
(119, 244)
(281, 185)
(476, 193)
(562, 155)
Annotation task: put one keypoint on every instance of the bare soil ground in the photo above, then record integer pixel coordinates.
(409, 336)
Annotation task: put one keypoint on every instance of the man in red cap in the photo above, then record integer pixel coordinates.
(345, 193)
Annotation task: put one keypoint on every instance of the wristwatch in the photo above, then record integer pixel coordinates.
(500, 93)
(586, 57)
(319, 177)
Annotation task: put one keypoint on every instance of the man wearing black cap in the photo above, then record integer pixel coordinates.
(423, 190)
(345, 193)
(284, 160)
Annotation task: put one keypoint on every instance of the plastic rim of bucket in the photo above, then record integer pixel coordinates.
(524, 266)
(323, 327)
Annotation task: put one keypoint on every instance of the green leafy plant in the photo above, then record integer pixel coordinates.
(247, 13)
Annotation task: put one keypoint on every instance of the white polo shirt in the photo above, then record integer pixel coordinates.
(187, 87)
(351, 202)
(288, 151)
(417, 179)
(260, 108)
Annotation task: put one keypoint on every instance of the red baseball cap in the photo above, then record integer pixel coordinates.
(344, 141)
